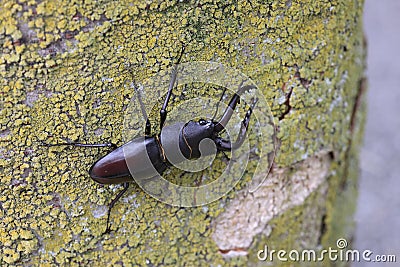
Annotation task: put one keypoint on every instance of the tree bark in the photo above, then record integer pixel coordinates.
(64, 72)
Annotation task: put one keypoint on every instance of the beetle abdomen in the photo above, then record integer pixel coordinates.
(130, 159)
(111, 169)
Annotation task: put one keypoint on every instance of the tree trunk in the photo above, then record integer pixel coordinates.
(67, 75)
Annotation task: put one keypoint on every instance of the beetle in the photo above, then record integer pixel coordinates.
(147, 154)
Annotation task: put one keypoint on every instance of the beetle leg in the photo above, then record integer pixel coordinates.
(225, 156)
(225, 145)
(147, 131)
(220, 99)
(163, 111)
(222, 144)
(111, 205)
(244, 126)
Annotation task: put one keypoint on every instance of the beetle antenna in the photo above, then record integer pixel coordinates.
(113, 146)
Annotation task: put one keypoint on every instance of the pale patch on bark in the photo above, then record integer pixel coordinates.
(249, 213)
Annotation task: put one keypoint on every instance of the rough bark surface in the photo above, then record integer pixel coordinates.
(63, 68)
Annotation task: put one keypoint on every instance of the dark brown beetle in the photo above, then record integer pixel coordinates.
(146, 154)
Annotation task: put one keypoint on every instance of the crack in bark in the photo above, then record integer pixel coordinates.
(304, 82)
(362, 84)
(287, 104)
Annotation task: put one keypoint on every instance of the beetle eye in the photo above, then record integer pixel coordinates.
(202, 122)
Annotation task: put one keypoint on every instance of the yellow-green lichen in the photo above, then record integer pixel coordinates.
(76, 59)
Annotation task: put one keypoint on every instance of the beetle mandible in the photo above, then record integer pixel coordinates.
(113, 168)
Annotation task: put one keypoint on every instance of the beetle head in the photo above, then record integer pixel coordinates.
(193, 133)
